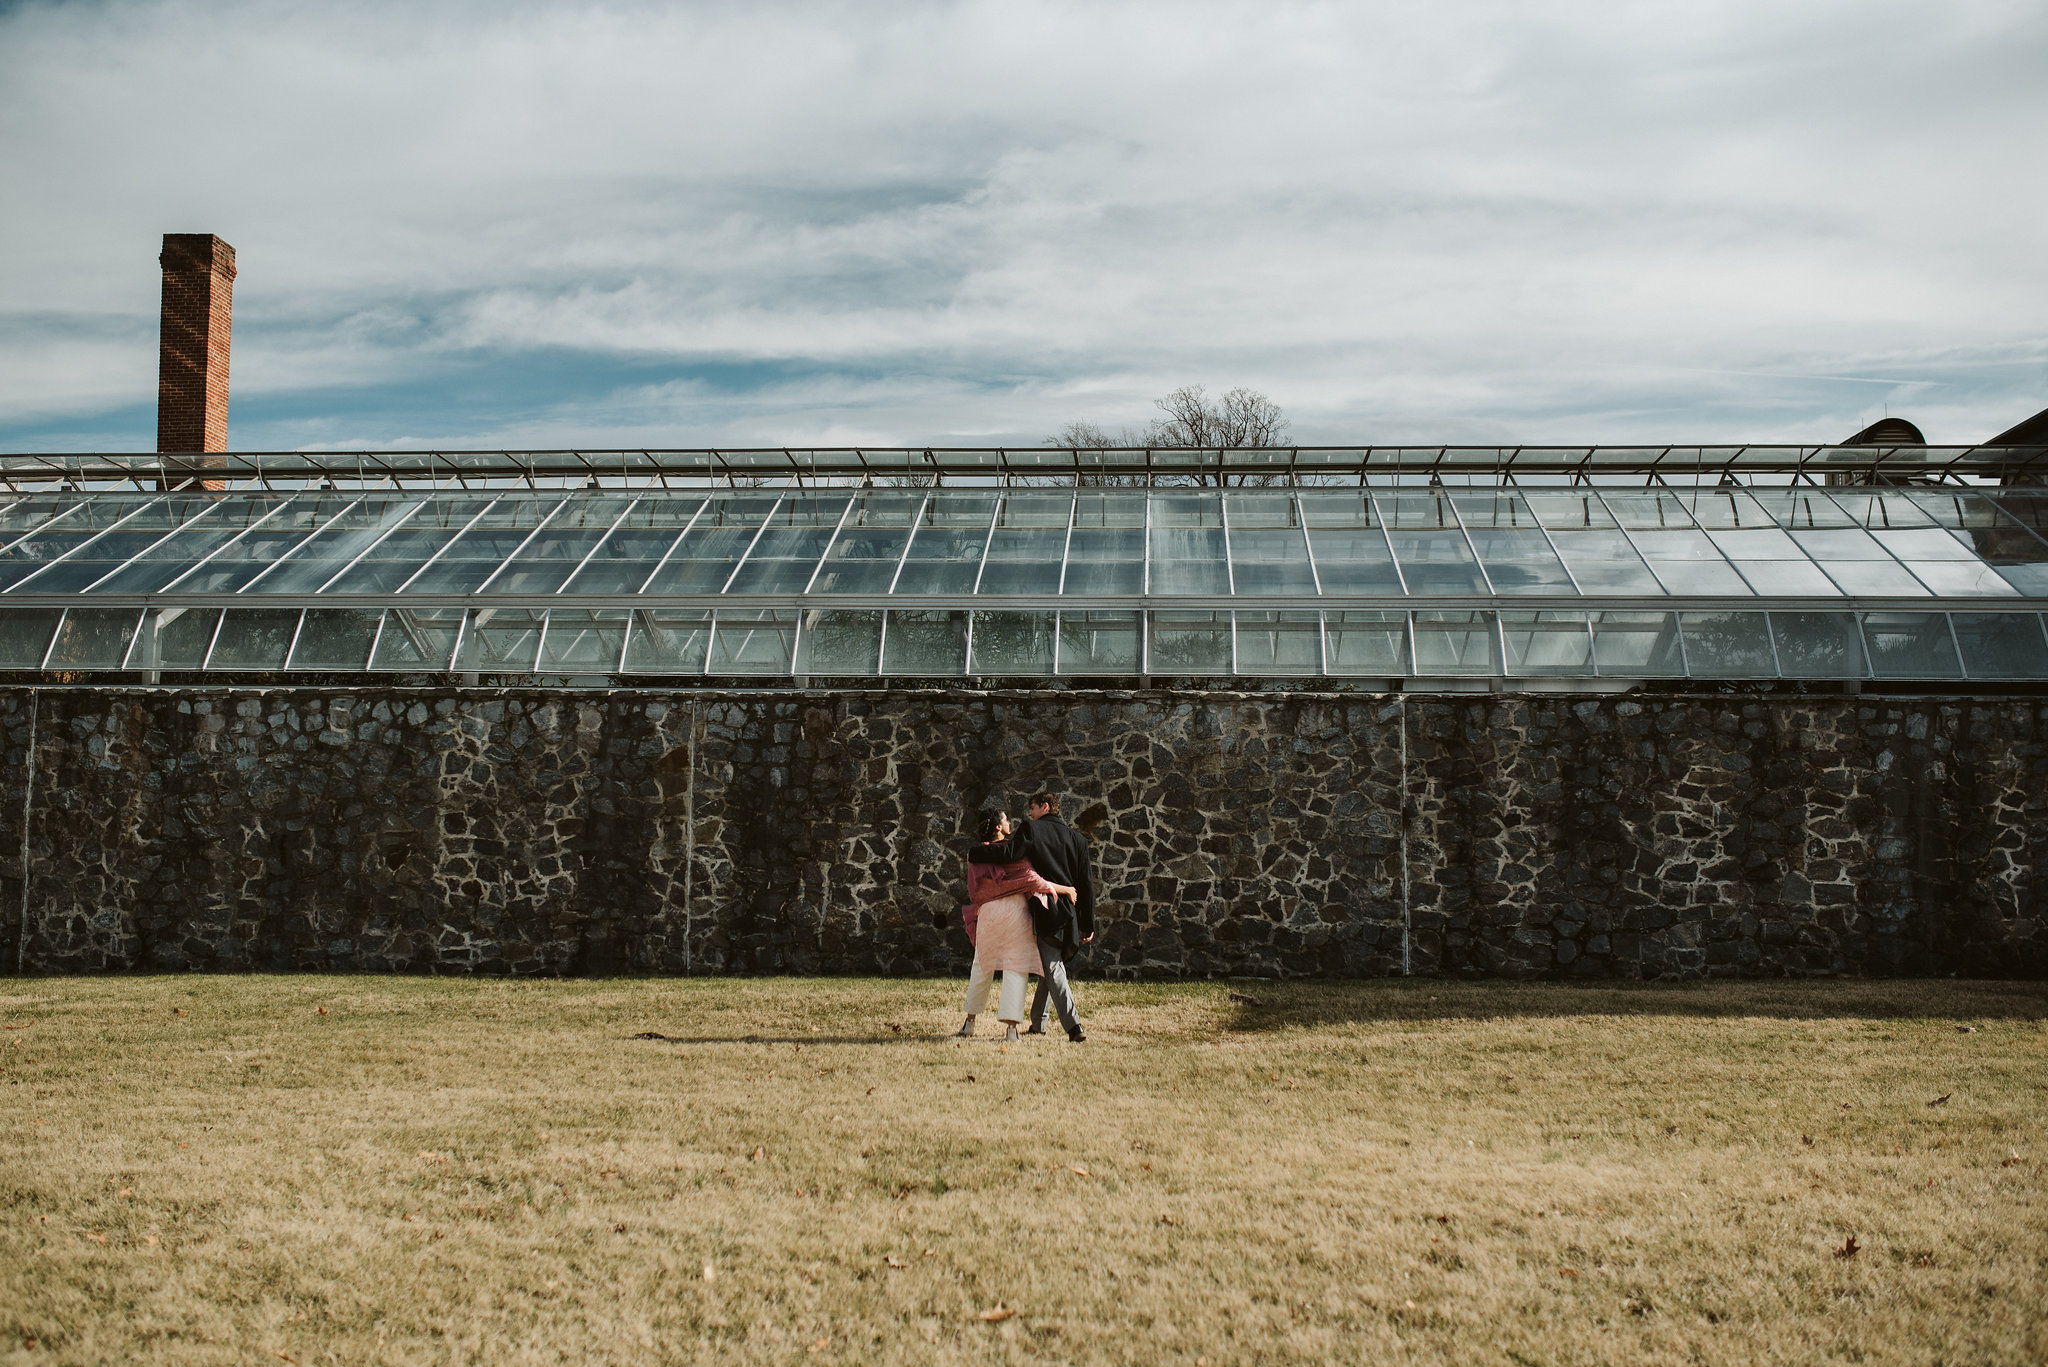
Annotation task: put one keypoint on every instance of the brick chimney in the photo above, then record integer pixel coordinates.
(192, 356)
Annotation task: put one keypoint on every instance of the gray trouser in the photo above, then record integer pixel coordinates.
(1055, 983)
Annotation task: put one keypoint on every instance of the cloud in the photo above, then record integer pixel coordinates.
(712, 223)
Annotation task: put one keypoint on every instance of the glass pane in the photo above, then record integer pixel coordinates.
(1911, 645)
(1098, 643)
(668, 641)
(1637, 645)
(1875, 578)
(2001, 645)
(306, 565)
(1605, 562)
(502, 640)
(1188, 560)
(1355, 561)
(1973, 578)
(40, 549)
(19, 516)
(558, 548)
(25, 636)
(170, 558)
(238, 562)
(1187, 510)
(1024, 560)
(862, 560)
(1638, 511)
(1437, 562)
(490, 541)
(1190, 643)
(1106, 560)
(840, 643)
(1253, 511)
(1520, 561)
(1721, 509)
(782, 560)
(1374, 643)
(1348, 509)
(1925, 543)
(1279, 643)
(624, 560)
(1012, 643)
(1270, 560)
(579, 642)
(254, 638)
(753, 642)
(335, 638)
(1727, 645)
(1455, 643)
(1787, 579)
(925, 643)
(180, 637)
(1547, 643)
(1757, 543)
(1873, 509)
(417, 639)
(1818, 645)
(1802, 507)
(399, 556)
(93, 559)
(945, 555)
(704, 559)
(94, 638)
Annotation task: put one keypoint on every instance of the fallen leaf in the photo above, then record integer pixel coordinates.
(286, 1356)
(20, 1025)
(619, 1228)
(2008, 1162)
(149, 1240)
(1080, 1172)
(757, 1155)
(125, 1191)
(997, 1314)
(323, 1011)
(893, 1261)
(1410, 1305)
(970, 1077)
(97, 1238)
(1168, 1220)
(895, 1027)
(177, 1010)
(1941, 1100)
(818, 1347)
(1671, 1129)
(928, 1253)
(817, 1029)
(871, 1091)
(1925, 1261)
(1567, 1272)
(1966, 1029)
(1849, 1248)
(710, 1273)
(1807, 1140)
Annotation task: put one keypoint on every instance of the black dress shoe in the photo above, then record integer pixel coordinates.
(1035, 1030)
(1076, 1036)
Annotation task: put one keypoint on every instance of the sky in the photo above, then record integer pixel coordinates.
(876, 223)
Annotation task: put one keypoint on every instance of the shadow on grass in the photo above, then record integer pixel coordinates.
(905, 1038)
(1281, 1005)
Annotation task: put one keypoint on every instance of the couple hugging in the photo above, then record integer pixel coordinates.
(1030, 906)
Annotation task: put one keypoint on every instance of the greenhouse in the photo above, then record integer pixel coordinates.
(1365, 567)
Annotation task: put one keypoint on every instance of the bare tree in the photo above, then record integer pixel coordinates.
(1243, 418)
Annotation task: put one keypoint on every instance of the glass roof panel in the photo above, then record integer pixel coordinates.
(1961, 578)
(2001, 645)
(1802, 507)
(336, 638)
(303, 568)
(416, 639)
(1520, 561)
(254, 638)
(1637, 645)
(1880, 508)
(502, 640)
(254, 549)
(930, 642)
(1605, 562)
(1098, 643)
(1644, 510)
(1456, 643)
(1436, 561)
(1818, 645)
(668, 641)
(1370, 643)
(1548, 643)
(1189, 643)
(1354, 560)
(172, 557)
(76, 552)
(1024, 560)
(706, 555)
(1689, 563)
(1724, 509)
(1728, 645)
(1011, 643)
(545, 562)
(626, 557)
(759, 641)
(1188, 557)
(94, 638)
(1353, 508)
(782, 560)
(485, 545)
(1286, 642)
(1105, 560)
(387, 564)
(1270, 560)
(1561, 510)
(840, 643)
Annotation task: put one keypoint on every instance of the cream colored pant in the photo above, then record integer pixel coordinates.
(1010, 1005)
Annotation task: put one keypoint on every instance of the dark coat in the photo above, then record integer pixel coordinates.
(1060, 854)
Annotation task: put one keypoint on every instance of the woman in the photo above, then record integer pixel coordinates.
(1003, 935)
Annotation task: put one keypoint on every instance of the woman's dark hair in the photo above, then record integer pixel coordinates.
(989, 823)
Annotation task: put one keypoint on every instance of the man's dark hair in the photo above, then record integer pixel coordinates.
(1050, 800)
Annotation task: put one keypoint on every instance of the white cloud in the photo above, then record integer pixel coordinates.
(919, 222)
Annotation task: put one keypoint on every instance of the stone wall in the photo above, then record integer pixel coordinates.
(547, 832)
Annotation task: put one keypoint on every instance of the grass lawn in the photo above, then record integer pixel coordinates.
(365, 1169)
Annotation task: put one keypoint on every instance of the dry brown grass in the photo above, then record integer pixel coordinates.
(210, 1170)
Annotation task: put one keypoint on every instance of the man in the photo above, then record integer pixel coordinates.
(1064, 924)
